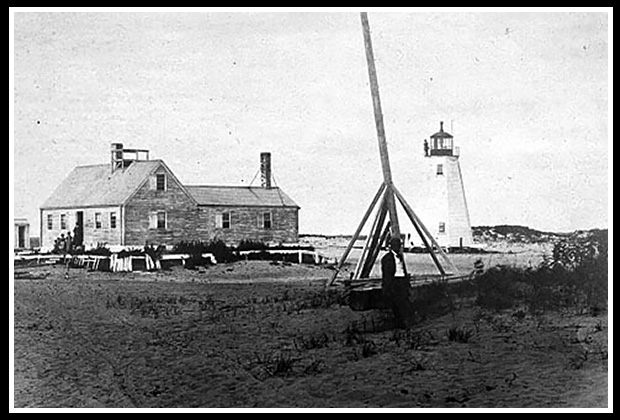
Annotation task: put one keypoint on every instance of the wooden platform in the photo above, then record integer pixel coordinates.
(367, 294)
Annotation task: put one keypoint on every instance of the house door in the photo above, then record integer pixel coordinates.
(21, 236)
(78, 231)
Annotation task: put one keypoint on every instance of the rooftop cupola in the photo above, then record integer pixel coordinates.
(122, 158)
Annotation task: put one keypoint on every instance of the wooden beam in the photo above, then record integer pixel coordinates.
(415, 219)
(373, 237)
(429, 248)
(345, 255)
(370, 262)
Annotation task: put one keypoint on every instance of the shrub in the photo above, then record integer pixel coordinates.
(459, 334)
(352, 335)
(412, 339)
(281, 364)
(369, 349)
(575, 277)
(251, 245)
(275, 364)
(497, 288)
(100, 249)
(315, 367)
(323, 299)
(431, 300)
(221, 251)
(311, 342)
(195, 249)
(414, 365)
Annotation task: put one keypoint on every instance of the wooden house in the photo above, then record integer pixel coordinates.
(135, 200)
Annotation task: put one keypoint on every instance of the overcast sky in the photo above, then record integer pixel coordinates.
(526, 95)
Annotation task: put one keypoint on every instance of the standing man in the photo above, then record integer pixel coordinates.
(395, 283)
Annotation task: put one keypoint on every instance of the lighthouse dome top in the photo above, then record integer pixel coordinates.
(441, 144)
(441, 134)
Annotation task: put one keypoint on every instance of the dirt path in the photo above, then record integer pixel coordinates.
(183, 339)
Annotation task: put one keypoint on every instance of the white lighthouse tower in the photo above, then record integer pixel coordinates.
(440, 195)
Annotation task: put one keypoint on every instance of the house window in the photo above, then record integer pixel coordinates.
(440, 169)
(223, 220)
(50, 222)
(266, 220)
(442, 227)
(158, 220)
(63, 221)
(226, 220)
(97, 220)
(113, 220)
(161, 182)
(161, 220)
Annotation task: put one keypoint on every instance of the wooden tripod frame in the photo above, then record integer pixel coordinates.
(386, 218)
(381, 228)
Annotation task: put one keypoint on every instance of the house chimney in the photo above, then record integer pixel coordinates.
(116, 156)
(265, 170)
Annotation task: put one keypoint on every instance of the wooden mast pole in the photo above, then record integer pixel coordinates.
(387, 189)
(383, 150)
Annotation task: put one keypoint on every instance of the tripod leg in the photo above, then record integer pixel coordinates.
(366, 261)
(356, 234)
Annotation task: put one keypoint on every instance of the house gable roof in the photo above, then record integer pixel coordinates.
(210, 195)
(97, 185)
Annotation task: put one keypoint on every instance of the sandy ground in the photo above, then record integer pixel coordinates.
(252, 334)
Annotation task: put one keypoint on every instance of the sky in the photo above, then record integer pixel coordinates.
(526, 96)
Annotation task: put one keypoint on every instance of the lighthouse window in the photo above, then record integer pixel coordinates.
(440, 169)
(442, 227)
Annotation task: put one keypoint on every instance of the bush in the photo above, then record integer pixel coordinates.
(575, 277)
(195, 249)
(412, 339)
(369, 349)
(459, 334)
(275, 364)
(321, 299)
(311, 342)
(498, 288)
(101, 250)
(431, 300)
(251, 245)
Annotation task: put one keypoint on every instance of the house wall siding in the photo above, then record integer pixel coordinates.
(92, 236)
(181, 213)
(245, 224)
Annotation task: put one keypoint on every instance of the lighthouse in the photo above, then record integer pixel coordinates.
(440, 195)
